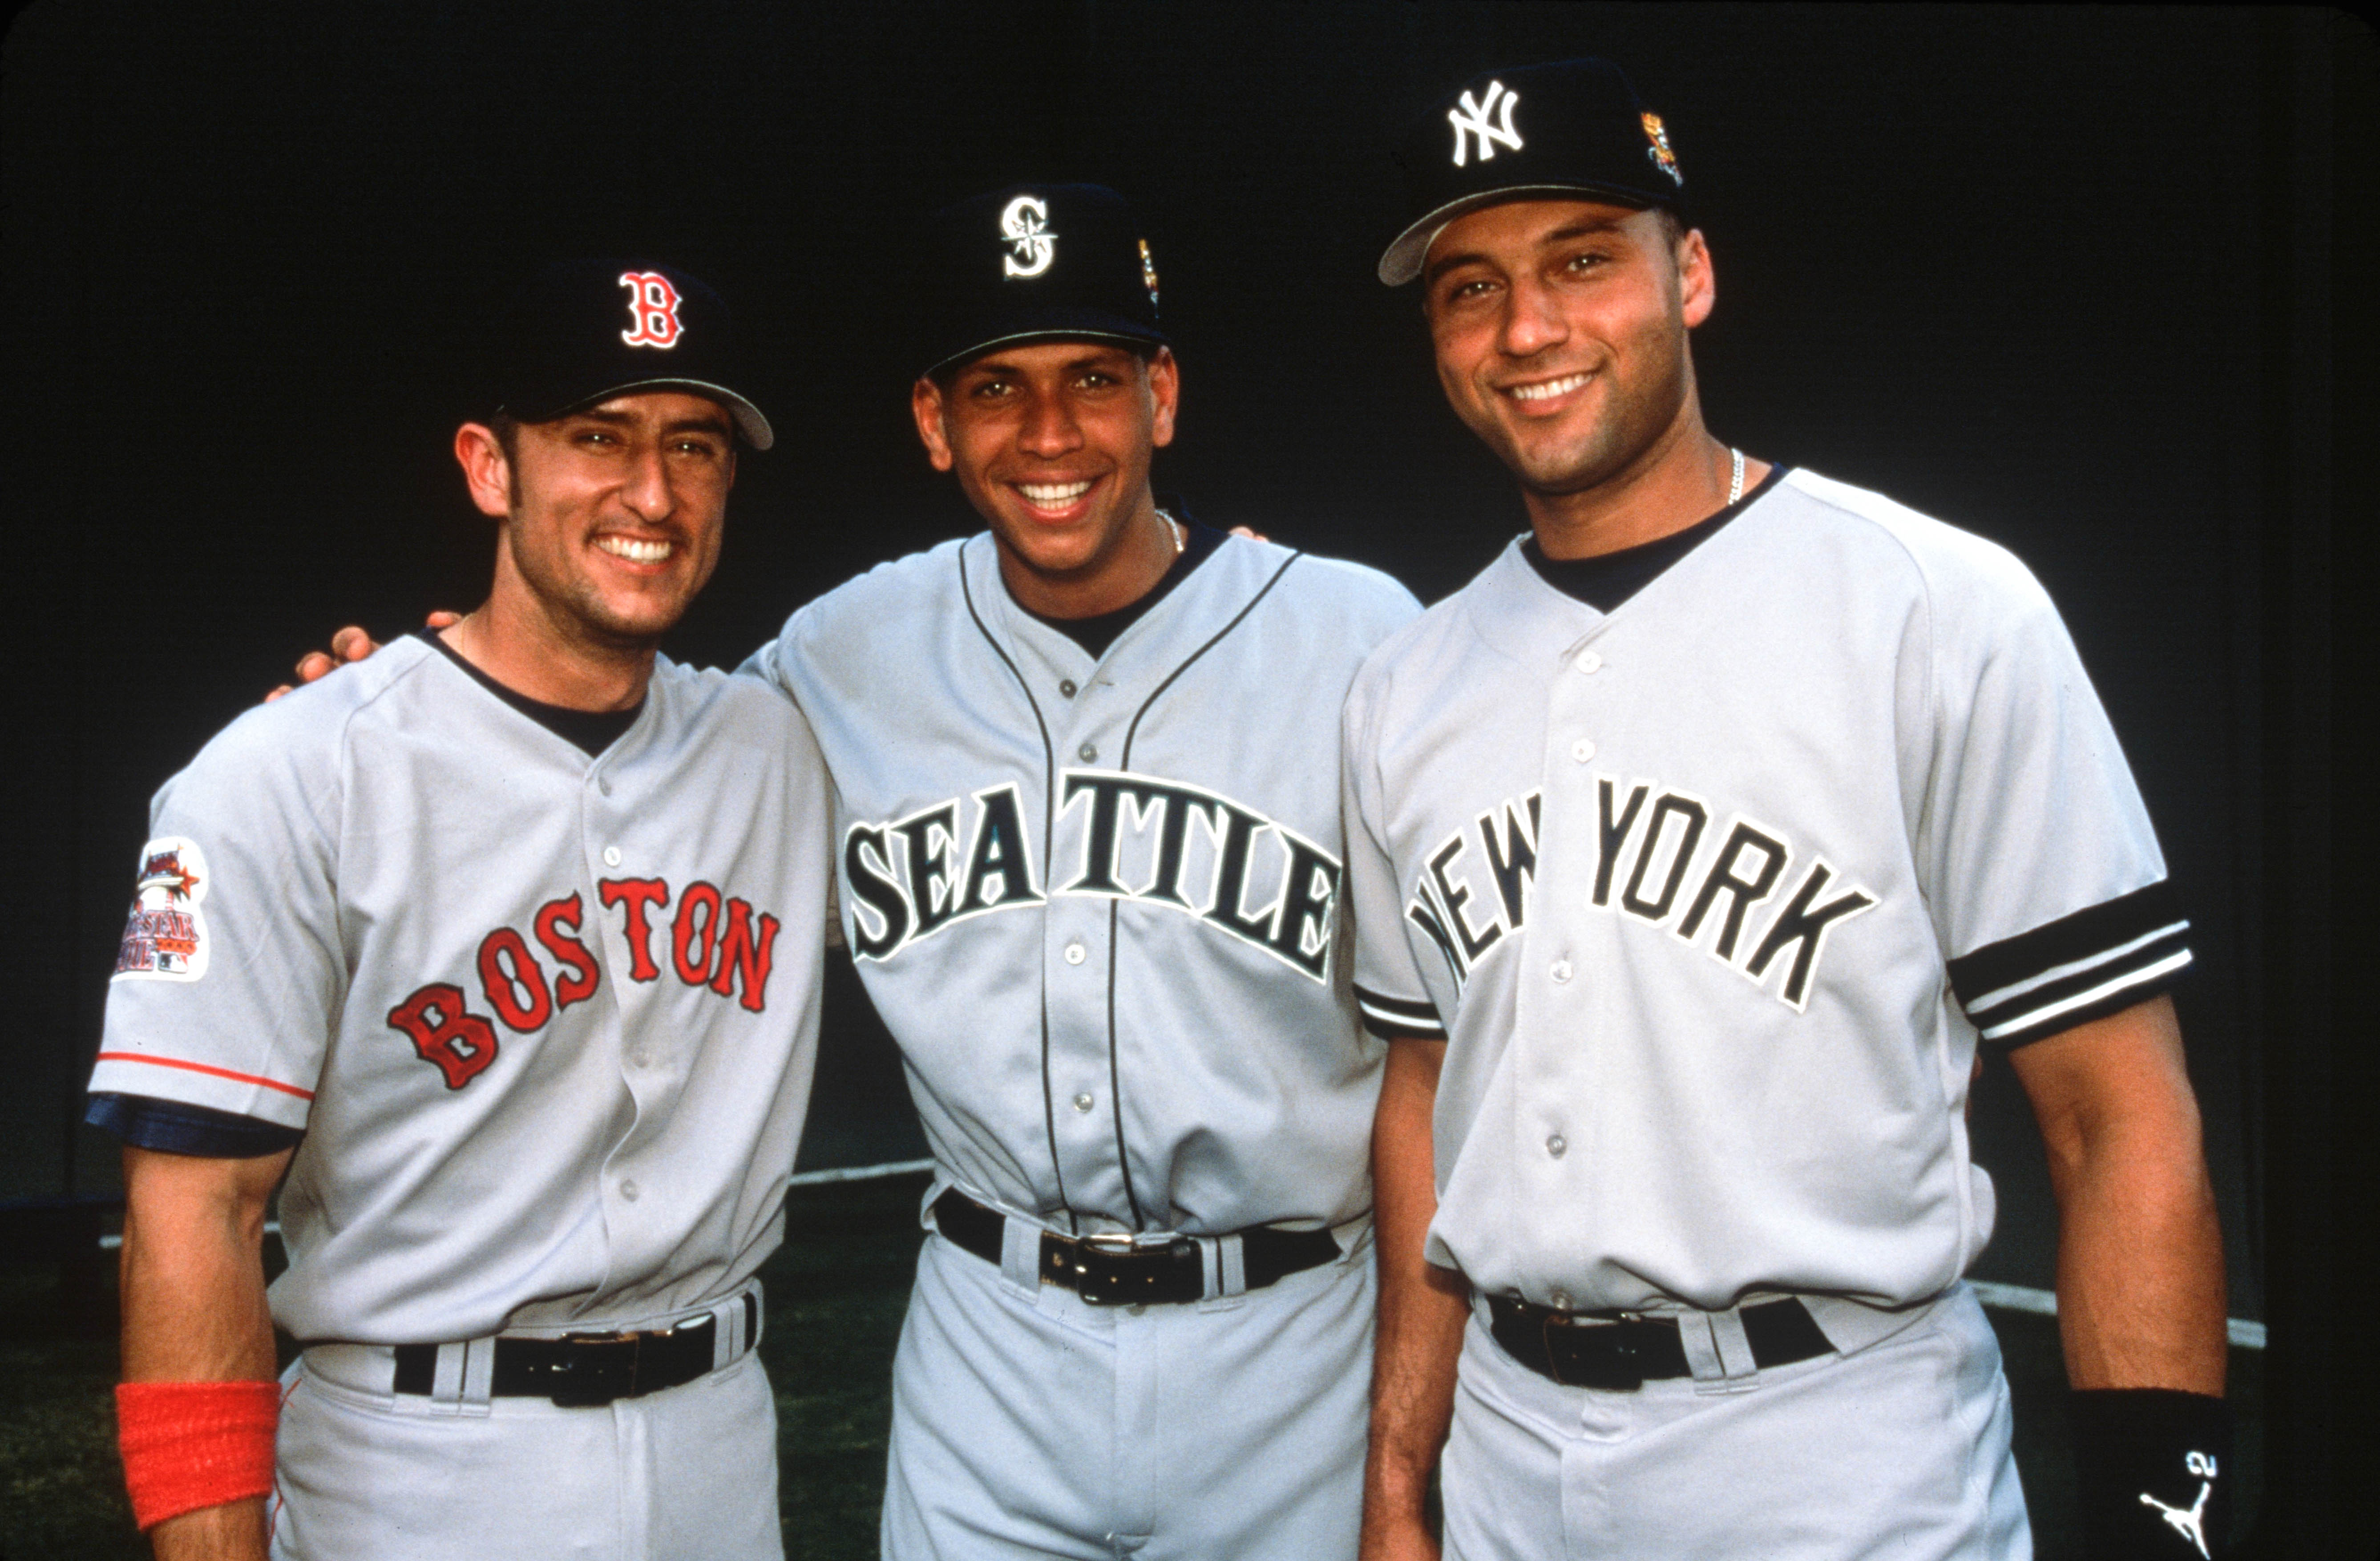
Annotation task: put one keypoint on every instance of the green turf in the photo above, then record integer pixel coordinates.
(835, 1291)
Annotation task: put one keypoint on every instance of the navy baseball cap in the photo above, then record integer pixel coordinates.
(1033, 261)
(583, 330)
(1575, 126)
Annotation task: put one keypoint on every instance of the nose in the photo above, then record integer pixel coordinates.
(1050, 430)
(1532, 320)
(647, 490)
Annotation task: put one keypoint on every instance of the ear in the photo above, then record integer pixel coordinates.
(1697, 287)
(1165, 386)
(926, 406)
(485, 471)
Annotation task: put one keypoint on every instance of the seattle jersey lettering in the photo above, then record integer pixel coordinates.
(715, 941)
(1134, 841)
(1649, 849)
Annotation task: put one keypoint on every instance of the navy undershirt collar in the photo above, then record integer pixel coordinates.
(1606, 581)
(1096, 634)
(591, 731)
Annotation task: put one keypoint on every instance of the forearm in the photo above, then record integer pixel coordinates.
(194, 1310)
(1422, 1310)
(2139, 1256)
(2140, 1267)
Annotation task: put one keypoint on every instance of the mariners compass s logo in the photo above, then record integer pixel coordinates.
(1473, 130)
(1025, 228)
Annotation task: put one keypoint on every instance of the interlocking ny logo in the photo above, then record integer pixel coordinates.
(652, 310)
(1023, 226)
(1470, 119)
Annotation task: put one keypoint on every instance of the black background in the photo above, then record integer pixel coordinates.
(2062, 276)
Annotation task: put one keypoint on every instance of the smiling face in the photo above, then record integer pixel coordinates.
(1051, 442)
(1561, 328)
(612, 515)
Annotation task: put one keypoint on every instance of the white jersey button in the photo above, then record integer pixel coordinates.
(610, 856)
(1582, 751)
(1066, 687)
(1087, 753)
(1083, 1102)
(1076, 953)
(641, 1060)
(628, 1190)
(1561, 971)
(1557, 1146)
(1589, 663)
(603, 784)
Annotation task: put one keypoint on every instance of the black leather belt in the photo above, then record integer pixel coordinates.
(1626, 1354)
(1122, 1270)
(584, 1369)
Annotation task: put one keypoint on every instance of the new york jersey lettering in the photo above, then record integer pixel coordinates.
(1662, 861)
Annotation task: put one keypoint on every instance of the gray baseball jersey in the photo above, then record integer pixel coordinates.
(1098, 902)
(548, 1021)
(1714, 895)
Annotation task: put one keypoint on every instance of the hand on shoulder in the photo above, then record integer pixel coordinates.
(350, 644)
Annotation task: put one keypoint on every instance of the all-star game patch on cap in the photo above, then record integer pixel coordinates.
(583, 330)
(1033, 261)
(1575, 126)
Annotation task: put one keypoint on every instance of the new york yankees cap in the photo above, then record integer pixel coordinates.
(1574, 127)
(1034, 261)
(583, 330)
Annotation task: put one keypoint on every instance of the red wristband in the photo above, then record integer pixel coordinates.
(188, 1444)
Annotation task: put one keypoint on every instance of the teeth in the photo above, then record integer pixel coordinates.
(1049, 495)
(1549, 390)
(634, 551)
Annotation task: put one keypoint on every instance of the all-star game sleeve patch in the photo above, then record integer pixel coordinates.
(166, 934)
(2079, 968)
(1391, 1018)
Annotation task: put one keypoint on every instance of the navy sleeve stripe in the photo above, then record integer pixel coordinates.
(176, 1128)
(2112, 996)
(1389, 1018)
(2064, 979)
(1986, 976)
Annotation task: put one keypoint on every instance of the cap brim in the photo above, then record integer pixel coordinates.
(1401, 262)
(748, 421)
(1073, 325)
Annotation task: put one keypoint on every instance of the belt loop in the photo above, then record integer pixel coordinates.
(726, 1325)
(478, 1377)
(1020, 1254)
(1735, 1357)
(1231, 1267)
(446, 1382)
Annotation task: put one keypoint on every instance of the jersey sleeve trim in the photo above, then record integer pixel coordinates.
(175, 1128)
(1391, 1018)
(208, 1069)
(2082, 967)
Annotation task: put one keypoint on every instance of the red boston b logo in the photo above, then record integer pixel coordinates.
(652, 310)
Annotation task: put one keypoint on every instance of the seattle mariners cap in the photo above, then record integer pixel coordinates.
(1031, 260)
(1575, 126)
(583, 330)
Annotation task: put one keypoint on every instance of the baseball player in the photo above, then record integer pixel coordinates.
(1695, 847)
(1090, 857)
(504, 949)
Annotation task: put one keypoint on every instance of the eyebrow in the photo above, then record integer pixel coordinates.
(1585, 227)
